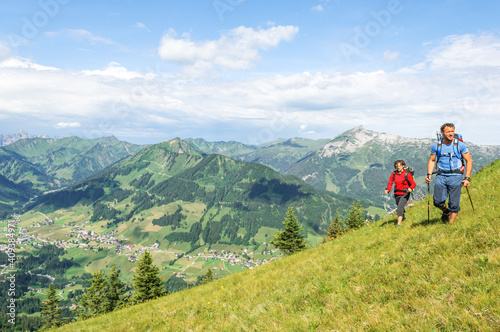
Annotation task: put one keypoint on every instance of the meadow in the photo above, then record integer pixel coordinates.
(421, 276)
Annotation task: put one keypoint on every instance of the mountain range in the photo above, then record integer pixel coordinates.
(356, 163)
(31, 166)
(172, 194)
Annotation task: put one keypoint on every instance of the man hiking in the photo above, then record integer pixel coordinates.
(449, 154)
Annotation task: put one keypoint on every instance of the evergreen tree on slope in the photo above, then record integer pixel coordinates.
(50, 312)
(356, 218)
(115, 291)
(290, 240)
(208, 277)
(335, 229)
(94, 299)
(147, 282)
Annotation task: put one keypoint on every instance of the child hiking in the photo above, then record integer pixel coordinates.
(449, 153)
(404, 184)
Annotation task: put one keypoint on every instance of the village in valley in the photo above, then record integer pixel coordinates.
(102, 249)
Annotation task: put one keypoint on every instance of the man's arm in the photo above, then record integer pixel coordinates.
(468, 171)
(468, 161)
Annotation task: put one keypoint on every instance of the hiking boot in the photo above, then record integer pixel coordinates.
(445, 217)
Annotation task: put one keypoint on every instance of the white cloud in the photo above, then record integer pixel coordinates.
(236, 50)
(390, 56)
(31, 90)
(412, 101)
(142, 26)
(21, 63)
(5, 52)
(116, 71)
(466, 51)
(88, 36)
(80, 34)
(85, 36)
(321, 6)
(67, 125)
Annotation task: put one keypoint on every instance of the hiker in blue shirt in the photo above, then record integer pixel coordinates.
(449, 153)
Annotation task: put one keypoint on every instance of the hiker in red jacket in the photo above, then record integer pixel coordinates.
(404, 185)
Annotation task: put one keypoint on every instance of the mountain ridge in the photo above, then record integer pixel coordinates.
(355, 163)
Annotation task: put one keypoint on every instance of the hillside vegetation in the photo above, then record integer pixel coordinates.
(423, 276)
(188, 200)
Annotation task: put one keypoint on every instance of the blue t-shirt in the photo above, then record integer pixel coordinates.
(449, 161)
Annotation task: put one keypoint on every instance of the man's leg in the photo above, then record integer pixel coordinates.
(455, 191)
(440, 196)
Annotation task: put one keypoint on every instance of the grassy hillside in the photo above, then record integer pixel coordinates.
(423, 276)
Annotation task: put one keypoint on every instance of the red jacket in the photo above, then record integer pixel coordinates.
(400, 182)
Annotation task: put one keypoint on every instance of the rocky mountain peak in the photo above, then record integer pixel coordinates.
(21, 134)
(348, 142)
(179, 146)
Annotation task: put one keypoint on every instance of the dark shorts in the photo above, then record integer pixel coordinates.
(401, 201)
(448, 185)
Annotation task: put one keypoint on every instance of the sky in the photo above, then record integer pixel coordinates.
(250, 71)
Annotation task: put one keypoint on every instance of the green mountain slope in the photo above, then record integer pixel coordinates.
(44, 164)
(12, 195)
(230, 149)
(184, 197)
(280, 154)
(422, 276)
(70, 159)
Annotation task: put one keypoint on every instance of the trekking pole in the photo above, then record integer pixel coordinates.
(428, 205)
(470, 199)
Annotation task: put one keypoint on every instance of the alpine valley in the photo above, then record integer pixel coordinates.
(75, 206)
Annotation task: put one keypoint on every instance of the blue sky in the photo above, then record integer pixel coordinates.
(251, 71)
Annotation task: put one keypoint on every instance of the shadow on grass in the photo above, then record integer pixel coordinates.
(426, 222)
(390, 222)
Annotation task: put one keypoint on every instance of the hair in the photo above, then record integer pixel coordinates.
(402, 162)
(447, 125)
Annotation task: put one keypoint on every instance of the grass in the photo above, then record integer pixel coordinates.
(422, 276)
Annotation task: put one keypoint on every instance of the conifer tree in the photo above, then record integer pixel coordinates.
(94, 299)
(355, 219)
(147, 282)
(115, 291)
(335, 229)
(290, 240)
(209, 276)
(50, 312)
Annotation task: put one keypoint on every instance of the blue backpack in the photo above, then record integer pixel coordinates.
(456, 152)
